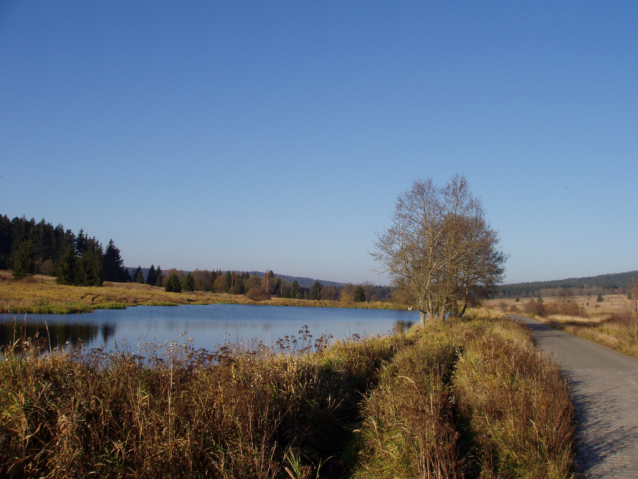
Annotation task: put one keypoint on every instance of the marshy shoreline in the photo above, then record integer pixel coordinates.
(41, 295)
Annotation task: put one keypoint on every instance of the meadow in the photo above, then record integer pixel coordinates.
(461, 398)
(612, 322)
(41, 295)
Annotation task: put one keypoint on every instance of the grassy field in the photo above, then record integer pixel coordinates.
(612, 322)
(40, 294)
(613, 303)
(469, 398)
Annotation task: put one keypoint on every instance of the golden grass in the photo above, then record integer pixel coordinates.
(612, 322)
(616, 331)
(612, 303)
(40, 294)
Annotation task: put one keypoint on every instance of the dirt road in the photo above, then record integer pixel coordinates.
(604, 389)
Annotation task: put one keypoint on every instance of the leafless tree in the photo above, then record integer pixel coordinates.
(440, 251)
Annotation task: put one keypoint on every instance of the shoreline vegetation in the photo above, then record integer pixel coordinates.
(41, 295)
(462, 398)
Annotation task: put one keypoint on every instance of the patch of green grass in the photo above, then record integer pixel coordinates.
(69, 308)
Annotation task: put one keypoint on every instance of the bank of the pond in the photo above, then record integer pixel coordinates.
(43, 296)
(455, 399)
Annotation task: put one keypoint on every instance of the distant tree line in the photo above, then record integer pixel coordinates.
(27, 248)
(259, 287)
(618, 283)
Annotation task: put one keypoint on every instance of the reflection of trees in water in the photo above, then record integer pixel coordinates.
(60, 333)
(108, 331)
(402, 326)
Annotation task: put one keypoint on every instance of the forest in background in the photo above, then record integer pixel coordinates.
(618, 283)
(28, 247)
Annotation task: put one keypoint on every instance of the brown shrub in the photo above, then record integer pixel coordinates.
(623, 319)
(47, 268)
(535, 308)
(256, 294)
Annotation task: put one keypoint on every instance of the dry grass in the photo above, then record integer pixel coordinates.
(612, 322)
(469, 399)
(613, 303)
(40, 294)
(516, 406)
(616, 331)
(455, 399)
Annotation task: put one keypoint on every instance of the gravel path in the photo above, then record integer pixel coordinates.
(604, 389)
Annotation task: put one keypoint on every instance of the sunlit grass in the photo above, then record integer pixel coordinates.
(616, 331)
(41, 294)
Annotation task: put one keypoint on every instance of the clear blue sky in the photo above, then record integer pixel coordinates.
(277, 135)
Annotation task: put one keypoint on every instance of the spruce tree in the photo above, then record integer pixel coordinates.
(359, 295)
(139, 276)
(151, 277)
(159, 277)
(189, 283)
(65, 273)
(24, 262)
(173, 285)
(81, 243)
(89, 271)
(114, 269)
(315, 290)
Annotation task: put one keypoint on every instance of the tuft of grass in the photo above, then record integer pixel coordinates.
(515, 405)
(469, 399)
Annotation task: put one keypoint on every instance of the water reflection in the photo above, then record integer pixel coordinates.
(402, 326)
(57, 334)
(209, 326)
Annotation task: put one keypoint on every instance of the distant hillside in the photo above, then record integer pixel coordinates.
(604, 283)
(303, 282)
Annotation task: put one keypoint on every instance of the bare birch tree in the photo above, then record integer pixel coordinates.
(440, 251)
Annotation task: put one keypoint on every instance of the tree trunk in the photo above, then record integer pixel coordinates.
(422, 313)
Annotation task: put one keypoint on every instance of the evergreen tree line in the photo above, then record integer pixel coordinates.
(27, 248)
(259, 287)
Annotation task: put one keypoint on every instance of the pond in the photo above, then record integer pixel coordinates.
(207, 326)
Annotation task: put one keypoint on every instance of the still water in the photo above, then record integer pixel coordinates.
(208, 326)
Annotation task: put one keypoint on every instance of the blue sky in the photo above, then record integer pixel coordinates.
(277, 135)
